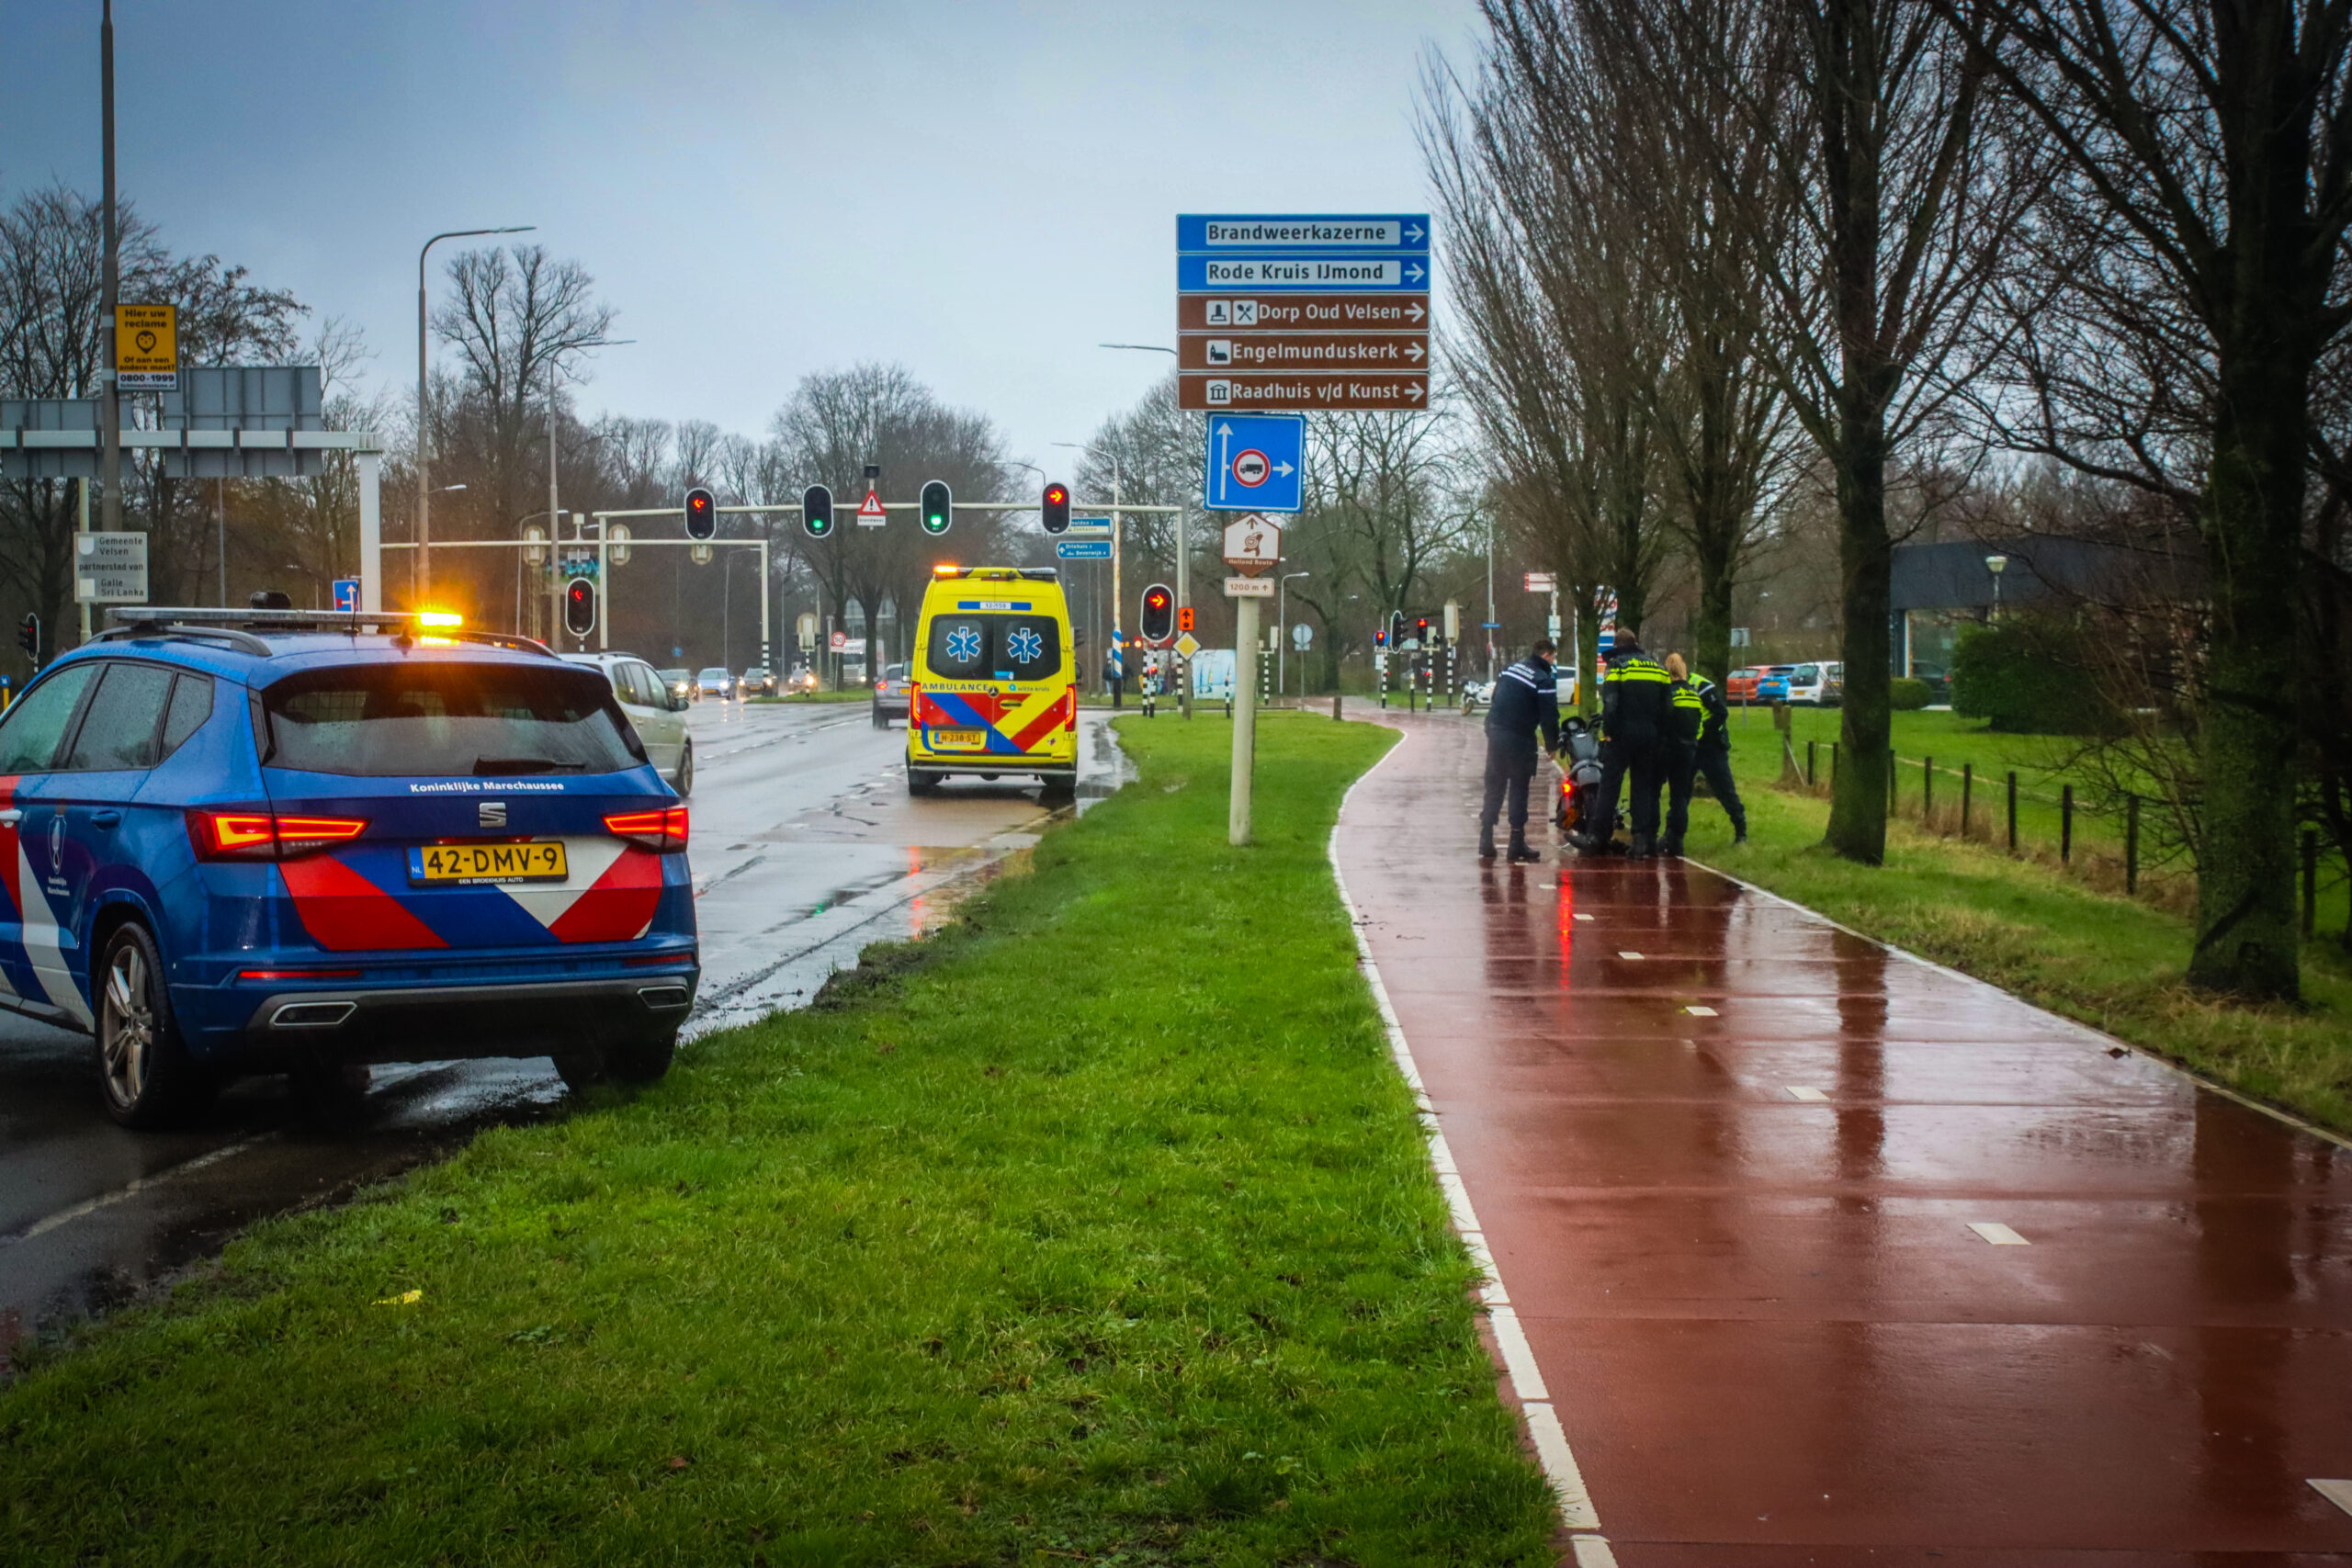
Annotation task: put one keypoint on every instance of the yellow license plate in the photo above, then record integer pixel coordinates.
(973, 739)
(538, 860)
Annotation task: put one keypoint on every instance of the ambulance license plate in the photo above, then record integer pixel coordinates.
(540, 859)
(967, 739)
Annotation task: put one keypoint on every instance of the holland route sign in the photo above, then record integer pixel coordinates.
(1255, 463)
(1303, 311)
(1253, 545)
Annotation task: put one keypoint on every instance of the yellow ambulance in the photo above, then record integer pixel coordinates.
(995, 680)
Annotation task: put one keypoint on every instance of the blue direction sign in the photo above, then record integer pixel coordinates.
(1091, 525)
(1082, 550)
(1256, 462)
(1324, 232)
(1293, 272)
(346, 594)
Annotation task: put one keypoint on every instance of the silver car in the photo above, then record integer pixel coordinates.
(657, 710)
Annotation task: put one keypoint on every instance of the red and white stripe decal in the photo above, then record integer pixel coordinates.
(344, 912)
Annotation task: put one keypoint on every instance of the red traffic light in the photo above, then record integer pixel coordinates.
(1055, 508)
(702, 513)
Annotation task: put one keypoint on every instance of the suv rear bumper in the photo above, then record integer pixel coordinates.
(458, 1022)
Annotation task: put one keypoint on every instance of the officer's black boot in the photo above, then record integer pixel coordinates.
(1644, 847)
(1485, 840)
(1519, 852)
(1739, 830)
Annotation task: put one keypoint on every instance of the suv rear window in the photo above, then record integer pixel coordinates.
(474, 720)
(969, 646)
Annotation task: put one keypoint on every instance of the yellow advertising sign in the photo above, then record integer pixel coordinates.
(147, 348)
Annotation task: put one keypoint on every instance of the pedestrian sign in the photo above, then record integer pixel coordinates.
(1255, 463)
(869, 512)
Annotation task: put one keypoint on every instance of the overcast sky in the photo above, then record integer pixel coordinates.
(981, 191)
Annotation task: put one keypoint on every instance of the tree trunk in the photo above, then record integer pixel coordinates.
(1858, 804)
(2246, 917)
(1716, 557)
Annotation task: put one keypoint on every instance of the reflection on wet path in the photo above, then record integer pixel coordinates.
(1728, 1158)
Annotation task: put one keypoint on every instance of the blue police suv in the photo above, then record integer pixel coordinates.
(295, 841)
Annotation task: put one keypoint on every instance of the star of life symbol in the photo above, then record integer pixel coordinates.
(964, 644)
(1025, 645)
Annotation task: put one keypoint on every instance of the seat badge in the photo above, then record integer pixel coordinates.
(493, 813)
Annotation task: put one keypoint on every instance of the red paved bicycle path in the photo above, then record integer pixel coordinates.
(1769, 1333)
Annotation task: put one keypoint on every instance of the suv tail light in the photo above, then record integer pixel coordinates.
(663, 829)
(267, 835)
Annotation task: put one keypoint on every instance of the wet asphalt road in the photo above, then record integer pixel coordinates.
(805, 849)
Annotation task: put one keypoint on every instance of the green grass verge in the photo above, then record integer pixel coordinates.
(1099, 1224)
(2115, 963)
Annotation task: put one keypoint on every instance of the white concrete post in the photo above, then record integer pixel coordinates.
(371, 532)
(1245, 716)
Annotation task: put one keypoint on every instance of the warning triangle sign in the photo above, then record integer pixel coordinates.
(869, 511)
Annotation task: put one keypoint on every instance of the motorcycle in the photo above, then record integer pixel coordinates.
(1576, 810)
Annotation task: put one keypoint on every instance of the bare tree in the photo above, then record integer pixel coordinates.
(2207, 141)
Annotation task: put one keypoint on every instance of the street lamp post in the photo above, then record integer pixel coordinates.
(423, 410)
(1995, 565)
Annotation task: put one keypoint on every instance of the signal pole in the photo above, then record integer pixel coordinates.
(110, 288)
(1245, 716)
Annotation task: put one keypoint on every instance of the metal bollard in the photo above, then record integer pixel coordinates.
(1336, 701)
(2131, 844)
(1890, 799)
(1810, 778)
(2013, 811)
(1967, 790)
(2067, 825)
(1927, 788)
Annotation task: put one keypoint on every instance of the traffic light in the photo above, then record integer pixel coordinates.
(702, 513)
(817, 512)
(1421, 631)
(1184, 618)
(579, 607)
(1396, 629)
(28, 637)
(1057, 508)
(1157, 622)
(938, 507)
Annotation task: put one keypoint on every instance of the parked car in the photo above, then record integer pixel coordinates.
(681, 681)
(759, 681)
(1772, 685)
(1820, 685)
(1564, 685)
(287, 842)
(657, 709)
(715, 681)
(1739, 686)
(891, 695)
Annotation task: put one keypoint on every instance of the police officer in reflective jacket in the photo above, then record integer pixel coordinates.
(1700, 708)
(1526, 701)
(1636, 725)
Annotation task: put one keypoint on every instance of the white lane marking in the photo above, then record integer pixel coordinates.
(1518, 1356)
(1701, 1012)
(1623, 955)
(1519, 1369)
(2336, 1492)
(1807, 1092)
(1593, 1552)
(66, 1216)
(1997, 1233)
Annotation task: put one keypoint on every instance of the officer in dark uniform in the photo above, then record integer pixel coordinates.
(1636, 709)
(1526, 702)
(1710, 755)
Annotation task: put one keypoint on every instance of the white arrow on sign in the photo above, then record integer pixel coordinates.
(1412, 350)
(1415, 311)
(1413, 390)
(1415, 271)
(1414, 233)
(1224, 468)
(1285, 470)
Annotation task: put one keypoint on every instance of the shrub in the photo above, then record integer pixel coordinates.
(2029, 675)
(1908, 695)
